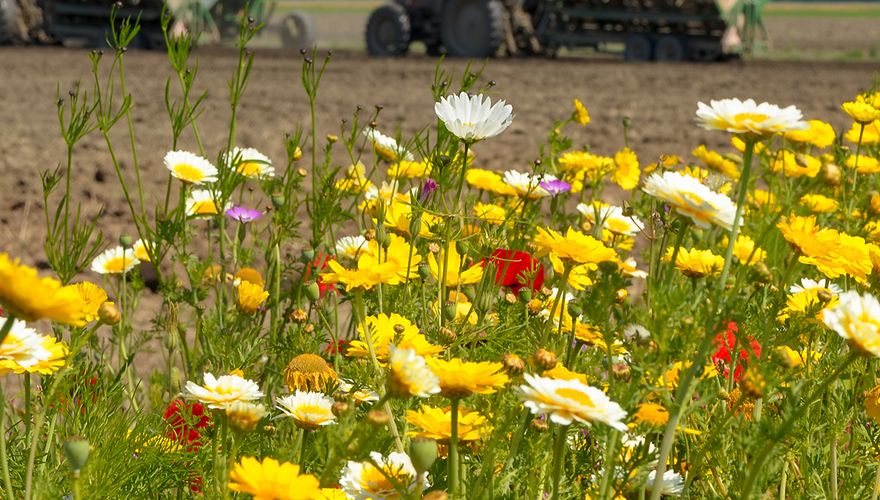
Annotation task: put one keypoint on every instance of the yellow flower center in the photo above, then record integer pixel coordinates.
(250, 169)
(116, 264)
(752, 117)
(576, 395)
(188, 172)
(205, 208)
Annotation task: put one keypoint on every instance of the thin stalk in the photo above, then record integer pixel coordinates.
(783, 482)
(4, 460)
(834, 466)
(297, 445)
(688, 379)
(452, 465)
(27, 405)
(558, 448)
(876, 492)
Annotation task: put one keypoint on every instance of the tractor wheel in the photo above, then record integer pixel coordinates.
(638, 48)
(388, 31)
(297, 31)
(472, 28)
(10, 25)
(669, 49)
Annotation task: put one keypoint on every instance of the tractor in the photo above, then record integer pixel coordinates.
(86, 22)
(643, 30)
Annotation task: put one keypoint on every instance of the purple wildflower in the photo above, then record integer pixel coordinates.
(555, 186)
(428, 189)
(243, 214)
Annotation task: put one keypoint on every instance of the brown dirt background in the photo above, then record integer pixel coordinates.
(659, 98)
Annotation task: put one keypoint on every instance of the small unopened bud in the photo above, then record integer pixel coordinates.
(302, 172)
(620, 295)
(514, 364)
(309, 328)
(299, 315)
(370, 234)
(525, 294)
(449, 311)
(831, 174)
(724, 395)
(76, 450)
(340, 408)
(824, 295)
(423, 453)
(433, 247)
(762, 272)
(125, 241)
(313, 292)
(109, 314)
(620, 370)
(297, 154)
(539, 425)
(447, 336)
(544, 359)
(332, 138)
(436, 495)
(377, 418)
(510, 298)
(574, 310)
(278, 201)
(424, 272)
(535, 306)
(308, 255)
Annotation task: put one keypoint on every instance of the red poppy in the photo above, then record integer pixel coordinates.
(340, 346)
(726, 342)
(187, 422)
(517, 269)
(315, 267)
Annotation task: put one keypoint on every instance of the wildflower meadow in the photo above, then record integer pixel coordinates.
(401, 321)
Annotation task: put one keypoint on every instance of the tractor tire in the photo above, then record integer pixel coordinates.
(638, 48)
(472, 28)
(11, 28)
(669, 49)
(388, 31)
(298, 31)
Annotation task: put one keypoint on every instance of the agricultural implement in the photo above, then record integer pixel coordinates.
(86, 21)
(643, 30)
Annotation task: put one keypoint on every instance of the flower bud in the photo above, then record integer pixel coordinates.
(125, 241)
(424, 272)
(308, 255)
(422, 453)
(513, 364)
(332, 138)
(377, 418)
(297, 154)
(109, 314)
(544, 359)
(340, 408)
(539, 425)
(299, 315)
(535, 306)
(313, 292)
(76, 450)
(447, 336)
(510, 298)
(449, 310)
(302, 172)
(831, 174)
(278, 201)
(525, 294)
(620, 370)
(574, 310)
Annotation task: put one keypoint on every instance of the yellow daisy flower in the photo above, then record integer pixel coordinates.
(309, 372)
(870, 136)
(92, 296)
(486, 180)
(409, 169)
(436, 423)
(819, 134)
(459, 379)
(270, 480)
(580, 114)
(795, 165)
(454, 274)
(819, 204)
(696, 263)
(573, 247)
(490, 213)
(250, 297)
(627, 173)
(714, 160)
(386, 330)
(25, 295)
(309, 410)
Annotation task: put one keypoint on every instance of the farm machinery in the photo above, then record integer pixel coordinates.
(87, 21)
(660, 30)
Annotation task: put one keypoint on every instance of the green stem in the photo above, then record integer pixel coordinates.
(75, 485)
(758, 465)
(4, 460)
(298, 445)
(558, 459)
(685, 388)
(27, 405)
(876, 492)
(452, 464)
(783, 482)
(834, 465)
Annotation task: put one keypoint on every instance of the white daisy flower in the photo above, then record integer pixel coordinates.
(634, 331)
(551, 300)
(190, 168)
(351, 246)
(747, 117)
(808, 284)
(386, 147)
(857, 319)
(566, 401)
(692, 199)
(611, 218)
(629, 266)
(220, 392)
(385, 192)
(409, 374)
(23, 345)
(672, 483)
(140, 251)
(361, 395)
(201, 203)
(526, 184)
(473, 119)
(309, 410)
(115, 261)
(251, 163)
(366, 481)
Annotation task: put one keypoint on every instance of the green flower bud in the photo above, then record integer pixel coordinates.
(278, 201)
(308, 255)
(424, 271)
(574, 310)
(125, 241)
(449, 311)
(313, 292)
(525, 294)
(76, 450)
(423, 453)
